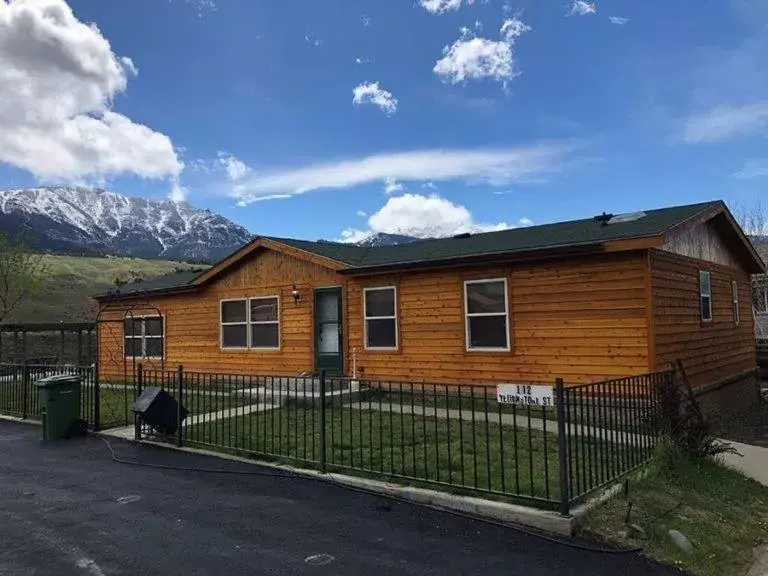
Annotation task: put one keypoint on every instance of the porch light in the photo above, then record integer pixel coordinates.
(296, 295)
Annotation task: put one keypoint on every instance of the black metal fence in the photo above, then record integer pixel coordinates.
(612, 428)
(19, 396)
(456, 437)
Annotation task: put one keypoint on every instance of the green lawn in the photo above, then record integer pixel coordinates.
(482, 455)
(116, 404)
(625, 414)
(722, 512)
(443, 396)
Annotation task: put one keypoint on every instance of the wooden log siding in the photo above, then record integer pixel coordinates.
(709, 351)
(579, 319)
(192, 328)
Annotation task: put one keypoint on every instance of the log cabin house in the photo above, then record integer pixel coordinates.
(585, 300)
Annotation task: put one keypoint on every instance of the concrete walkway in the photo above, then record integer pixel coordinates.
(751, 461)
(230, 413)
(128, 432)
(521, 421)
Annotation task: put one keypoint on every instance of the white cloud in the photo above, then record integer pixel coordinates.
(726, 123)
(178, 192)
(202, 6)
(525, 222)
(312, 40)
(370, 93)
(470, 57)
(618, 20)
(366, 20)
(582, 8)
(58, 79)
(392, 186)
(352, 235)
(494, 166)
(198, 165)
(361, 213)
(236, 169)
(429, 185)
(513, 28)
(753, 169)
(423, 217)
(475, 58)
(129, 65)
(442, 6)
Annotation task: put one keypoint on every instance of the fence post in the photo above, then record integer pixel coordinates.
(96, 396)
(139, 389)
(25, 391)
(180, 429)
(322, 422)
(562, 449)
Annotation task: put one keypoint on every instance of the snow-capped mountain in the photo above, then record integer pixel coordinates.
(384, 239)
(85, 220)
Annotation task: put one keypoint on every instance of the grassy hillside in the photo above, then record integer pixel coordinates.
(65, 293)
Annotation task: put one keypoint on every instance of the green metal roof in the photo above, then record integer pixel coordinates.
(547, 236)
(564, 235)
(175, 281)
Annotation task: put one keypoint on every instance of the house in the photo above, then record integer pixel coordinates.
(586, 300)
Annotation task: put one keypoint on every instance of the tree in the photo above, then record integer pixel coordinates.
(753, 219)
(20, 272)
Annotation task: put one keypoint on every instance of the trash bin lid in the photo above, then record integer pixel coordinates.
(58, 380)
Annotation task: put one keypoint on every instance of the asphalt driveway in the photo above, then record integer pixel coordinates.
(67, 509)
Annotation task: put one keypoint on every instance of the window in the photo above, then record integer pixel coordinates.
(265, 323)
(380, 318)
(735, 293)
(250, 323)
(143, 337)
(486, 310)
(705, 295)
(234, 324)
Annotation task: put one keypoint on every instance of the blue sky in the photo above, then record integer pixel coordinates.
(250, 108)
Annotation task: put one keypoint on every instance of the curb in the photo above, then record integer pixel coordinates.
(543, 520)
(20, 420)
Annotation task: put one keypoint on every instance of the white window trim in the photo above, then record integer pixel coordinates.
(735, 296)
(222, 324)
(251, 323)
(702, 295)
(366, 318)
(467, 315)
(143, 337)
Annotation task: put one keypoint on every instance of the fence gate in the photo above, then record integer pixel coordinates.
(116, 365)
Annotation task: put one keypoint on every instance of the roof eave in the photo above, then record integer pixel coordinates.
(113, 296)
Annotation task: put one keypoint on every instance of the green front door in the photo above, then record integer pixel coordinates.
(329, 337)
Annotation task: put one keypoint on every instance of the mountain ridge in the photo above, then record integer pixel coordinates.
(77, 220)
(80, 220)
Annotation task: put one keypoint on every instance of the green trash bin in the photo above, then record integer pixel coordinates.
(59, 405)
